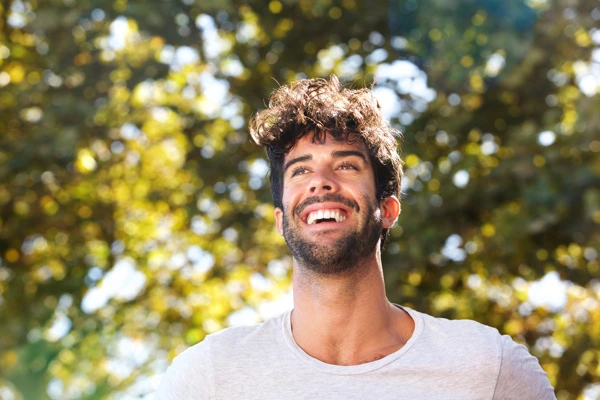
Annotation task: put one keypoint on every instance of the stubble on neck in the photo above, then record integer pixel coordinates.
(343, 287)
(345, 320)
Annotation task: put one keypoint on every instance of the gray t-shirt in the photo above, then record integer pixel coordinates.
(443, 359)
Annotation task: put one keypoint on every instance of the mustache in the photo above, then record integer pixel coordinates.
(330, 197)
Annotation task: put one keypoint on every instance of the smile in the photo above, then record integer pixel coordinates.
(328, 215)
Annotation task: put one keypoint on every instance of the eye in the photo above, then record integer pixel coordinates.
(347, 165)
(300, 170)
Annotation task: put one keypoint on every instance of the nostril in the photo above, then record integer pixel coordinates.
(322, 187)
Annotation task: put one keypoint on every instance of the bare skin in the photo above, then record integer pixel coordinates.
(340, 318)
(345, 321)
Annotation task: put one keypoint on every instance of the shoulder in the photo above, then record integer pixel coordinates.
(521, 375)
(231, 342)
(237, 340)
(463, 332)
(493, 357)
(465, 348)
(191, 374)
(188, 376)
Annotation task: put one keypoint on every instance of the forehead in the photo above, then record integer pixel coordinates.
(309, 145)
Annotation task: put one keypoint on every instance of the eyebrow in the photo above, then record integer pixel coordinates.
(349, 153)
(296, 160)
(335, 154)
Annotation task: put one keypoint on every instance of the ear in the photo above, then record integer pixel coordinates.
(390, 209)
(279, 220)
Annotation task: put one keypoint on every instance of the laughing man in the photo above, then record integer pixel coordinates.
(335, 177)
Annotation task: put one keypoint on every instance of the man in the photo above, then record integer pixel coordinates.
(335, 178)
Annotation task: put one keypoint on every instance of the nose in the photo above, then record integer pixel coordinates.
(322, 182)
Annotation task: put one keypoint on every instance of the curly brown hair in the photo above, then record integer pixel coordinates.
(319, 107)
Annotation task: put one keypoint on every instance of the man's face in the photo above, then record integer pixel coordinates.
(331, 219)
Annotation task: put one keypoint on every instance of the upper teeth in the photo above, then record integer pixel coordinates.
(325, 214)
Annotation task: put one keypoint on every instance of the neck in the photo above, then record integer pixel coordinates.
(346, 319)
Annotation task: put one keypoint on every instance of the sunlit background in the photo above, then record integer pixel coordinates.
(136, 216)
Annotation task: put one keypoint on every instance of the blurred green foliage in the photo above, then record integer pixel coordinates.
(135, 214)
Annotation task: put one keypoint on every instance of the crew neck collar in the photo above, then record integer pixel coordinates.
(350, 369)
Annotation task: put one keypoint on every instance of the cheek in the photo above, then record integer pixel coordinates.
(368, 194)
(285, 195)
(290, 193)
(287, 201)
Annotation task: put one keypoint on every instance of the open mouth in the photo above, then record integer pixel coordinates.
(328, 215)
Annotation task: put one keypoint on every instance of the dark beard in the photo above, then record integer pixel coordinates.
(345, 255)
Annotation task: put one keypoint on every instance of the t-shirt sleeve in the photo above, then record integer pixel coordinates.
(189, 376)
(521, 377)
